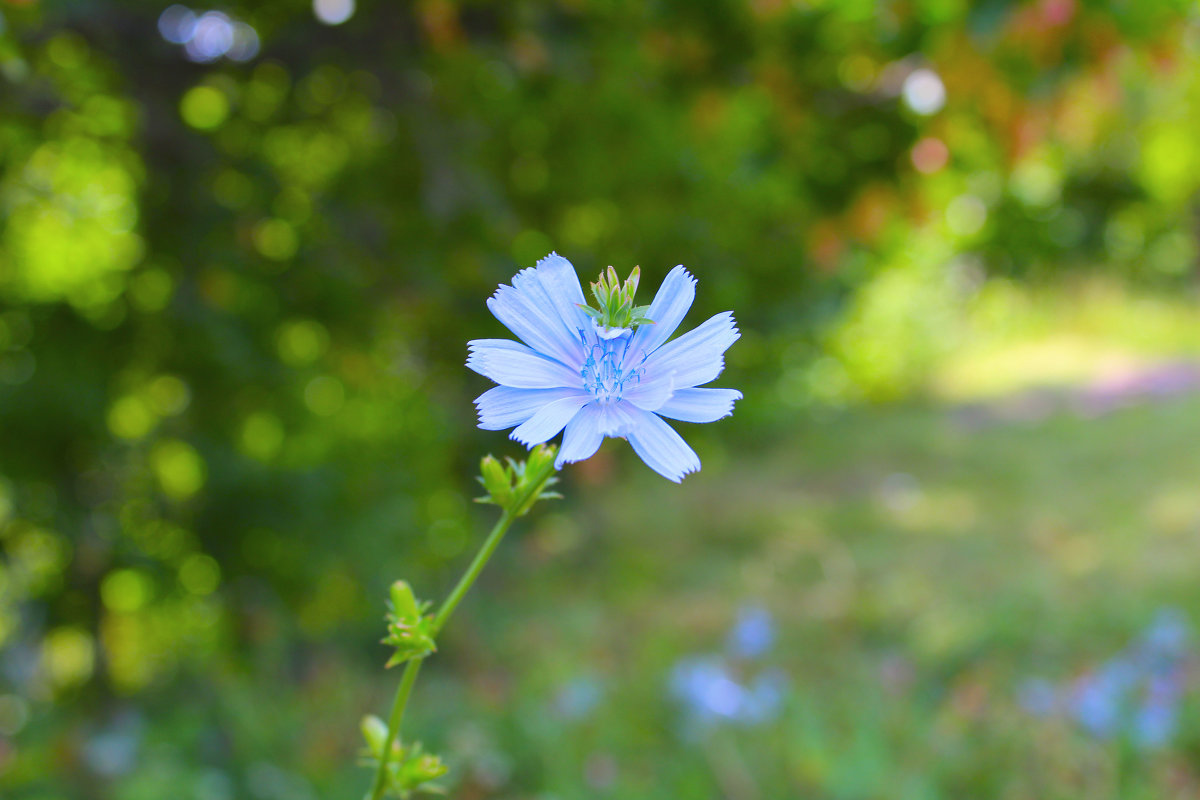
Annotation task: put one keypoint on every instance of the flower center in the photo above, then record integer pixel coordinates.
(605, 373)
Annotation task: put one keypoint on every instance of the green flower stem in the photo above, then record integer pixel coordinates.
(534, 489)
(477, 564)
(398, 705)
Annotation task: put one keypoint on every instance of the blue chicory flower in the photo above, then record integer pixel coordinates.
(1154, 723)
(706, 688)
(753, 633)
(711, 694)
(765, 698)
(578, 698)
(1100, 698)
(1038, 697)
(570, 374)
(1135, 694)
(1167, 638)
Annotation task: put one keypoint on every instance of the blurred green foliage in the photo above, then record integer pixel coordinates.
(235, 296)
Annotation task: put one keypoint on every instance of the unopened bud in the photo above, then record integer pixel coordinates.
(615, 314)
(495, 479)
(404, 603)
(374, 732)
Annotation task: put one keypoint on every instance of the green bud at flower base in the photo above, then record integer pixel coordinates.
(615, 312)
(517, 485)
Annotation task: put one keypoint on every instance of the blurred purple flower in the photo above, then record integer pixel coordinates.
(578, 698)
(1154, 723)
(712, 690)
(1098, 700)
(1135, 694)
(705, 687)
(764, 698)
(1168, 636)
(753, 633)
(1038, 697)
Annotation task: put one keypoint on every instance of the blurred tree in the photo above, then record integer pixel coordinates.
(242, 248)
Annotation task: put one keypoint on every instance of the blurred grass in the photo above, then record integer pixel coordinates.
(920, 567)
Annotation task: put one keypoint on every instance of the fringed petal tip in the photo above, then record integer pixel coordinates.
(583, 435)
(678, 477)
(734, 332)
(519, 440)
(699, 404)
(670, 305)
(679, 272)
(661, 447)
(697, 356)
(553, 258)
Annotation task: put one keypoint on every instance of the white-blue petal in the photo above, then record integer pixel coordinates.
(696, 357)
(535, 323)
(542, 307)
(651, 392)
(583, 435)
(667, 310)
(663, 450)
(503, 406)
(561, 284)
(699, 405)
(549, 420)
(513, 364)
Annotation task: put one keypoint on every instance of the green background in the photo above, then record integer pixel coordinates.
(234, 302)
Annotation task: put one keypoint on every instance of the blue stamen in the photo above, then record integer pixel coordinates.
(604, 373)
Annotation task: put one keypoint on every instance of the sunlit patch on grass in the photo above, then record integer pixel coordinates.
(1016, 338)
